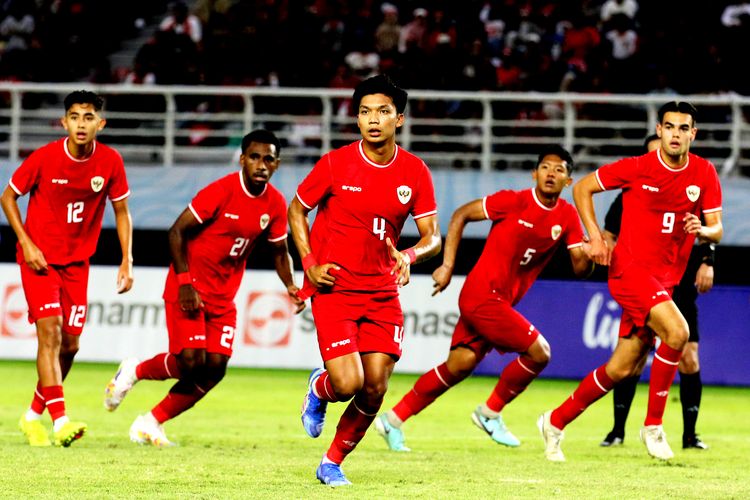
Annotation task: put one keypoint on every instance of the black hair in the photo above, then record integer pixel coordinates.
(648, 139)
(558, 151)
(678, 107)
(380, 84)
(84, 97)
(261, 136)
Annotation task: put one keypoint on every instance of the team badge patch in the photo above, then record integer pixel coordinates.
(693, 192)
(264, 219)
(556, 231)
(97, 183)
(404, 194)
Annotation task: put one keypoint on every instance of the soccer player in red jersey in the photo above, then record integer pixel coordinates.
(68, 181)
(663, 194)
(527, 227)
(210, 242)
(364, 193)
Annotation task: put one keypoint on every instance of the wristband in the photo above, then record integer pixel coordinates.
(184, 278)
(411, 254)
(308, 261)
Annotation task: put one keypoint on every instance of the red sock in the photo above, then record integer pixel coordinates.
(54, 400)
(428, 388)
(591, 389)
(37, 404)
(350, 431)
(663, 369)
(324, 388)
(176, 403)
(515, 378)
(161, 367)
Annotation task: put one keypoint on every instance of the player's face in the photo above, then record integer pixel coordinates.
(677, 132)
(378, 119)
(259, 162)
(551, 175)
(82, 123)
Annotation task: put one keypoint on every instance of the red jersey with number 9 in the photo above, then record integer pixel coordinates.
(655, 199)
(360, 204)
(232, 220)
(67, 199)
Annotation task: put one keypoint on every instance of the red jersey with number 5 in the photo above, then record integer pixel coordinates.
(67, 199)
(655, 200)
(231, 221)
(525, 234)
(360, 204)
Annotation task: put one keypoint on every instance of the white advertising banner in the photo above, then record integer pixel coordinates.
(268, 333)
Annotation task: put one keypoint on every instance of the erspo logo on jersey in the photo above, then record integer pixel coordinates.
(15, 321)
(268, 319)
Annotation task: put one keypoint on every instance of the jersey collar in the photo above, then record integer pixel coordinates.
(664, 164)
(377, 165)
(244, 188)
(69, 155)
(542, 205)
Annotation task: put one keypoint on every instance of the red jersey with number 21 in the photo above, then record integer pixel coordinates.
(67, 198)
(360, 204)
(655, 199)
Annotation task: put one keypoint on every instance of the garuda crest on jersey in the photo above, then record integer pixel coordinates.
(404, 194)
(556, 231)
(97, 183)
(693, 192)
(264, 220)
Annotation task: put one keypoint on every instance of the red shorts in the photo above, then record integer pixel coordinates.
(350, 322)
(493, 323)
(637, 292)
(61, 291)
(212, 328)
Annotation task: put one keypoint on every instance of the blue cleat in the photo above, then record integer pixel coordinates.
(313, 408)
(331, 474)
(393, 436)
(495, 428)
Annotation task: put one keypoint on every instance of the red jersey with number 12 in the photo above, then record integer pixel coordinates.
(525, 234)
(655, 199)
(67, 198)
(360, 204)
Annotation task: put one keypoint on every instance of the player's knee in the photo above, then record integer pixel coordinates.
(345, 389)
(191, 362)
(677, 337)
(540, 352)
(689, 363)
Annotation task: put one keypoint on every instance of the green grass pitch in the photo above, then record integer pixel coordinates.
(245, 440)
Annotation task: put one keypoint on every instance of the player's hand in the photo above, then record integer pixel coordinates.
(34, 257)
(190, 300)
(599, 251)
(692, 224)
(402, 267)
(125, 277)
(321, 275)
(298, 303)
(442, 277)
(704, 278)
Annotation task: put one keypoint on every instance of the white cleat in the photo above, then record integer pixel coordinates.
(121, 383)
(552, 437)
(655, 439)
(146, 430)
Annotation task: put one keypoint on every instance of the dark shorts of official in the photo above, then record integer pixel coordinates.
(59, 291)
(684, 296)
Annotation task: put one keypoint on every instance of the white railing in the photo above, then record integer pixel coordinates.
(187, 125)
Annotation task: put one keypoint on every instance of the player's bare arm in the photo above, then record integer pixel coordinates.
(318, 274)
(711, 232)
(469, 212)
(282, 261)
(583, 266)
(583, 196)
(124, 225)
(33, 257)
(427, 247)
(190, 300)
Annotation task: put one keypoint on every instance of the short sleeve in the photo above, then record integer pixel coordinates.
(574, 233)
(498, 205)
(618, 174)
(27, 175)
(277, 229)
(205, 205)
(317, 184)
(118, 186)
(425, 204)
(711, 200)
(613, 219)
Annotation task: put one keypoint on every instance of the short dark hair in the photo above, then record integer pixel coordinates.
(84, 97)
(678, 107)
(558, 151)
(261, 136)
(648, 139)
(380, 84)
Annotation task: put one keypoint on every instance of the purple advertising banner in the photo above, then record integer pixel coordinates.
(581, 320)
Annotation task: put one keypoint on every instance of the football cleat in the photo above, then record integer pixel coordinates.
(147, 431)
(331, 474)
(34, 431)
(613, 439)
(693, 442)
(69, 432)
(552, 437)
(394, 437)
(313, 408)
(495, 428)
(120, 384)
(655, 439)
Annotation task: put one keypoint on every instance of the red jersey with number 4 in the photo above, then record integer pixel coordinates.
(360, 204)
(67, 199)
(524, 235)
(655, 199)
(231, 221)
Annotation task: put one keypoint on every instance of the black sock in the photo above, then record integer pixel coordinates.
(691, 388)
(622, 398)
